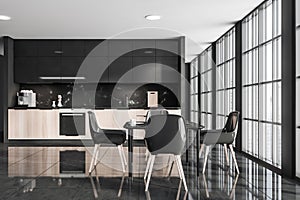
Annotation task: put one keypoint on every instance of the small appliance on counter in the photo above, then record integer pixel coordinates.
(26, 98)
(152, 99)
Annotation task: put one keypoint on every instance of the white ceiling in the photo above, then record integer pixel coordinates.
(201, 21)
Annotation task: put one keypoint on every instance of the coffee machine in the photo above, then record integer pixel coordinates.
(26, 98)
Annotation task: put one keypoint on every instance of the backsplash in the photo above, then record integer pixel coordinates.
(102, 95)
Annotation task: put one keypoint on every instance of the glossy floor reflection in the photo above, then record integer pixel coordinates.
(61, 173)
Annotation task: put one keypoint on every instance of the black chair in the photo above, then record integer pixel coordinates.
(106, 137)
(225, 136)
(152, 112)
(165, 134)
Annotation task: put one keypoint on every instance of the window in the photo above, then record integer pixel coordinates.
(261, 69)
(206, 88)
(194, 105)
(225, 77)
(297, 87)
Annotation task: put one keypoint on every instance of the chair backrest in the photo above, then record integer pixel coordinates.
(95, 129)
(154, 111)
(232, 122)
(166, 134)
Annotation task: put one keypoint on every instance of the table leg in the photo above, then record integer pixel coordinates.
(197, 152)
(187, 149)
(130, 152)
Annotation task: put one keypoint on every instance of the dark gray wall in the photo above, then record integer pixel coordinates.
(8, 87)
(288, 88)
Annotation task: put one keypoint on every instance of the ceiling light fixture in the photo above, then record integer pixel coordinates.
(152, 17)
(4, 18)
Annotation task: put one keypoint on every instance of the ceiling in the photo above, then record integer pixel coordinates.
(201, 21)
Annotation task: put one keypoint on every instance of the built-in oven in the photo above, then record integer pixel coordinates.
(72, 123)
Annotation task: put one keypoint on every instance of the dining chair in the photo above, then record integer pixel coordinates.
(225, 137)
(165, 134)
(105, 137)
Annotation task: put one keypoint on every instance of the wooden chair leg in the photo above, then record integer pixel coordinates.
(226, 154)
(93, 158)
(121, 157)
(182, 172)
(150, 172)
(234, 158)
(205, 159)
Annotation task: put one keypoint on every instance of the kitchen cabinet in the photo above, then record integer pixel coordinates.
(95, 69)
(48, 67)
(96, 48)
(26, 69)
(33, 124)
(47, 48)
(47, 61)
(120, 48)
(73, 48)
(69, 68)
(167, 69)
(143, 69)
(167, 47)
(25, 48)
(143, 48)
(120, 69)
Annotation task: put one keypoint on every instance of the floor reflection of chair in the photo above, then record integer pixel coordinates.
(231, 192)
(148, 196)
(97, 188)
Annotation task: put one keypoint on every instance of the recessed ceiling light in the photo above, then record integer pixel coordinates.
(4, 17)
(152, 17)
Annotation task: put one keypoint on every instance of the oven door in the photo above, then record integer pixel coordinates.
(72, 124)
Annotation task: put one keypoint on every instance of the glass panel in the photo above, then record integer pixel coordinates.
(298, 153)
(298, 12)
(298, 104)
(298, 51)
(261, 74)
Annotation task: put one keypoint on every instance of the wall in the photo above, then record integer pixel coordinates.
(105, 96)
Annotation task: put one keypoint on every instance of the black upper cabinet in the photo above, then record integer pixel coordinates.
(96, 48)
(25, 70)
(48, 69)
(74, 48)
(143, 69)
(69, 68)
(118, 48)
(94, 69)
(120, 69)
(143, 48)
(49, 48)
(167, 69)
(167, 47)
(128, 61)
(25, 48)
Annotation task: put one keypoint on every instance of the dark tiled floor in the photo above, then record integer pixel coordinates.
(34, 173)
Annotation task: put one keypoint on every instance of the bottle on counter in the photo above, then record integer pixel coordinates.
(59, 101)
(53, 104)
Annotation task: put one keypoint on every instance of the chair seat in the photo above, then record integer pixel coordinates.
(116, 137)
(216, 137)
